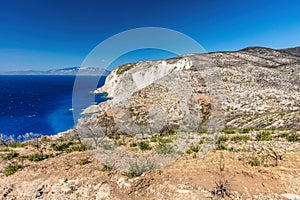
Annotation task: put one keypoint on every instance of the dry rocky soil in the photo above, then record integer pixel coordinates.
(242, 165)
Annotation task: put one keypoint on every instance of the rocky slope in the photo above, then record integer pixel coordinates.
(252, 88)
(247, 92)
(248, 170)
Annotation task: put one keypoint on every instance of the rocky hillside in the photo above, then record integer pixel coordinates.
(246, 165)
(252, 88)
(221, 125)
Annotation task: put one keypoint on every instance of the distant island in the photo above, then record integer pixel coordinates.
(88, 71)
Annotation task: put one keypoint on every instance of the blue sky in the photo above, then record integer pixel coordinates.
(48, 34)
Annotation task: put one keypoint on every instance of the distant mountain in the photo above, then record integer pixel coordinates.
(91, 71)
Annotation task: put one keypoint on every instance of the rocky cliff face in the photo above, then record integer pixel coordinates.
(252, 88)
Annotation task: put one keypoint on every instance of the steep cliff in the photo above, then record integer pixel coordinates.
(252, 88)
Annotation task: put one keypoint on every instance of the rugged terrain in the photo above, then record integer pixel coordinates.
(247, 164)
(252, 88)
(208, 126)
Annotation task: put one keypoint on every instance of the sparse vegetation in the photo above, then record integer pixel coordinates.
(84, 161)
(137, 168)
(39, 157)
(237, 138)
(255, 161)
(106, 167)
(245, 130)
(195, 148)
(144, 145)
(189, 151)
(168, 133)
(77, 147)
(11, 169)
(222, 189)
(264, 136)
(164, 148)
(275, 155)
(221, 147)
(222, 138)
(123, 68)
(228, 131)
(282, 135)
(293, 138)
(106, 145)
(11, 155)
(153, 139)
(133, 144)
(201, 141)
(61, 147)
(17, 145)
(165, 140)
(4, 149)
(33, 139)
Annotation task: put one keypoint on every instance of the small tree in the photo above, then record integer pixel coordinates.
(3, 140)
(97, 129)
(34, 140)
(91, 131)
(275, 155)
(7, 140)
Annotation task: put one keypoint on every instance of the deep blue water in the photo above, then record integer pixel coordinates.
(41, 104)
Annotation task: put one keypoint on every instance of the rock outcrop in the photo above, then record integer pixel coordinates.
(252, 88)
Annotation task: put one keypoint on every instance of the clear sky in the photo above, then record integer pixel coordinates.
(46, 34)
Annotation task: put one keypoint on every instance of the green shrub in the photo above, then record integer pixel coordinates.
(283, 135)
(110, 136)
(61, 147)
(153, 139)
(168, 133)
(202, 131)
(17, 144)
(222, 139)
(189, 151)
(137, 168)
(292, 138)
(264, 136)
(123, 68)
(221, 147)
(78, 147)
(195, 148)
(133, 144)
(195, 156)
(84, 161)
(165, 140)
(240, 138)
(245, 130)
(164, 148)
(106, 167)
(11, 155)
(232, 149)
(39, 157)
(120, 143)
(114, 136)
(11, 169)
(144, 145)
(254, 161)
(228, 131)
(201, 141)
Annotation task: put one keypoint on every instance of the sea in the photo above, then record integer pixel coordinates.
(43, 103)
